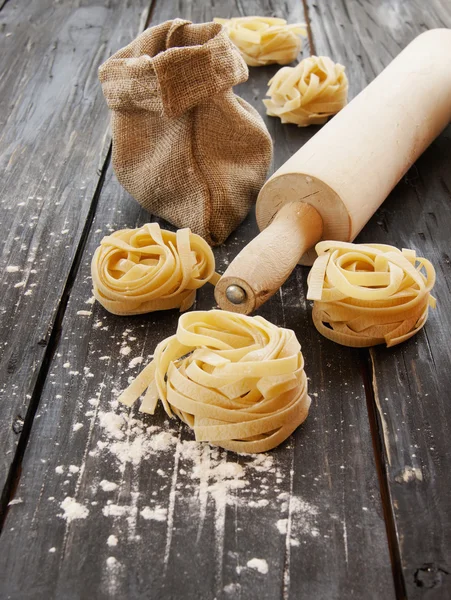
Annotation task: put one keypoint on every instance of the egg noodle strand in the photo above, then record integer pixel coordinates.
(368, 294)
(237, 381)
(265, 40)
(135, 271)
(309, 93)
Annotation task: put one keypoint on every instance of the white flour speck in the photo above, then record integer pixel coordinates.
(15, 501)
(158, 514)
(107, 486)
(20, 284)
(112, 540)
(59, 469)
(66, 365)
(125, 350)
(52, 550)
(258, 564)
(11, 269)
(282, 526)
(77, 426)
(73, 509)
(135, 361)
(84, 313)
(74, 469)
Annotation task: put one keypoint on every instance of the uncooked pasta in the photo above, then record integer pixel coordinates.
(237, 381)
(368, 294)
(309, 93)
(136, 271)
(265, 40)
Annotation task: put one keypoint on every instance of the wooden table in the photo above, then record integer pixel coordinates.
(356, 504)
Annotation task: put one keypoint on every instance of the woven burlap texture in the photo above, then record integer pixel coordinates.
(184, 145)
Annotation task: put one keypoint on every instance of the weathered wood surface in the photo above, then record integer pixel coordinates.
(322, 485)
(411, 382)
(53, 143)
(312, 510)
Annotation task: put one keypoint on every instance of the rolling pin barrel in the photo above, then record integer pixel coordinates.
(346, 170)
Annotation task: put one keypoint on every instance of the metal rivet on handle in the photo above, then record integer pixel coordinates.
(235, 294)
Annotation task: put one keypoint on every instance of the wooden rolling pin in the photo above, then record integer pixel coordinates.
(332, 186)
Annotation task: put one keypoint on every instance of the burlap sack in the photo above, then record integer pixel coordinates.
(184, 146)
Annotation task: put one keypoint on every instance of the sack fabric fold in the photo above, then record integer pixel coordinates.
(184, 145)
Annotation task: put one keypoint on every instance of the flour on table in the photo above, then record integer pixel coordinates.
(258, 564)
(112, 541)
(107, 486)
(12, 269)
(73, 509)
(135, 362)
(157, 514)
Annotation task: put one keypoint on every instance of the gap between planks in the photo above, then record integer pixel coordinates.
(14, 474)
(376, 421)
(13, 478)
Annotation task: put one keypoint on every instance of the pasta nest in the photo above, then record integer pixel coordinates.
(135, 271)
(368, 294)
(237, 381)
(265, 40)
(309, 93)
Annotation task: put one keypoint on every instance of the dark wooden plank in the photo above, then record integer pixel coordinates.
(411, 382)
(53, 143)
(311, 510)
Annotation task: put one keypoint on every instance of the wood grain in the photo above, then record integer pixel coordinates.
(313, 512)
(410, 382)
(53, 144)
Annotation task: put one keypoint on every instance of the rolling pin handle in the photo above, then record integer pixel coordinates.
(267, 261)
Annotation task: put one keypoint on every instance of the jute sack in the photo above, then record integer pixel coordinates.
(184, 145)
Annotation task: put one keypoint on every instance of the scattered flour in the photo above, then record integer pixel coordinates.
(59, 470)
(73, 509)
(12, 269)
(282, 526)
(112, 540)
(84, 313)
(107, 486)
(125, 350)
(15, 501)
(77, 426)
(258, 564)
(111, 561)
(52, 550)
(115, 510)
(74, 469)
(233, 589)
(135, 362)
(157, 514)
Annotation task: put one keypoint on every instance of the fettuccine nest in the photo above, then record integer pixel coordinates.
(265, 40)
(136, 271)
(368, 294)
(237, 381)
(309, 93)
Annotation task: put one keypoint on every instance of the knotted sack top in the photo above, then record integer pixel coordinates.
(172, 67)
(184, 145)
